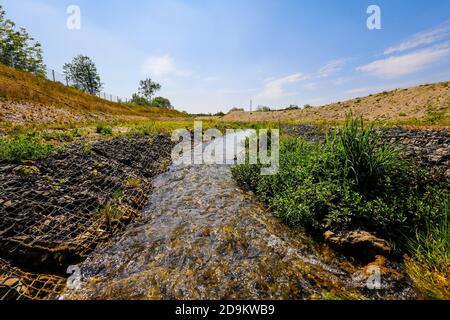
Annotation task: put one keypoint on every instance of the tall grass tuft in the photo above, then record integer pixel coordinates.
(358, 154)
(429, 267)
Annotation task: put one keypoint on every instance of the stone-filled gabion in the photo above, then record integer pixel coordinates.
(55, 211)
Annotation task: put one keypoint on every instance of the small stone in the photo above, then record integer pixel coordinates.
(11, 282)
(8, 204)
(26, 170)
(447, 174)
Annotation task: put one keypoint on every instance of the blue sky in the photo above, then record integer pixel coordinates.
(212, 55)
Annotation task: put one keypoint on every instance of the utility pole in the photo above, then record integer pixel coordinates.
(251, 105)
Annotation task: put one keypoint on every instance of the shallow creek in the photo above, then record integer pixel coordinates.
(201, 237)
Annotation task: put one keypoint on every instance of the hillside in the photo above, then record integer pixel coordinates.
(427, 104)
(27, 99)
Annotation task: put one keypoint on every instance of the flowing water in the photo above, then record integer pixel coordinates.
(201, 237)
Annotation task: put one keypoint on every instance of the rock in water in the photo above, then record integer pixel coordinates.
(358, 243)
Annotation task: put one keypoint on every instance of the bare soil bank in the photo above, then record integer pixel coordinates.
(427, 103)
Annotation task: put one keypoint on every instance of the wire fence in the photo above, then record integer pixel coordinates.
(74, 201)
(55, 76)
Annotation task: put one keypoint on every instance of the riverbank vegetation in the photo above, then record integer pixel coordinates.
(355, 181)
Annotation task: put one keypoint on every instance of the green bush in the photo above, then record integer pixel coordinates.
(138, 100)
(104, 130)
(351, 181)
(161, 102)
(24, 147)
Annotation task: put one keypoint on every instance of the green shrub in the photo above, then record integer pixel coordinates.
(138, 100)
(161, 102)
(24, 147)
(104, 130)
(351, 181)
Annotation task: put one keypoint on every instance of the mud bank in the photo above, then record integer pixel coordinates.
(54, 212)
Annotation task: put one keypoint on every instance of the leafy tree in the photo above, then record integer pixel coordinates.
(148, 88)
(139, 101)
(263, 109)
(83, 75)
(236, 109)
(18, 49)
(161, 102)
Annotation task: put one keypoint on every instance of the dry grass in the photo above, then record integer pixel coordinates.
(417, 106)
(25, 99)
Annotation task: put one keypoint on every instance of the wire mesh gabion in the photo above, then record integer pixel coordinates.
(55, 211)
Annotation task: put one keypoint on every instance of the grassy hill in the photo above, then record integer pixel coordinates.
(423, 105)
(26, 99)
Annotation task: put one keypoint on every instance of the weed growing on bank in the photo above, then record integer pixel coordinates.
(24, 147)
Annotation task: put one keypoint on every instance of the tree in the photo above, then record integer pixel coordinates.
(148, 88)
(82, 74)
(139, 101)
(236, 109)
(263, 109)
(161, 102)
(18, 49)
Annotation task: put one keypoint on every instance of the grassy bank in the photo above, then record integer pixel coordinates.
(354, 181)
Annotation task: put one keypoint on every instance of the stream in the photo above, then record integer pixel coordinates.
(202, 237)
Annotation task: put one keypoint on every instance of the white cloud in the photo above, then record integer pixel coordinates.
(162, 66)
(397, 66)
(331, 68)
(422, 38)
(274, 89)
